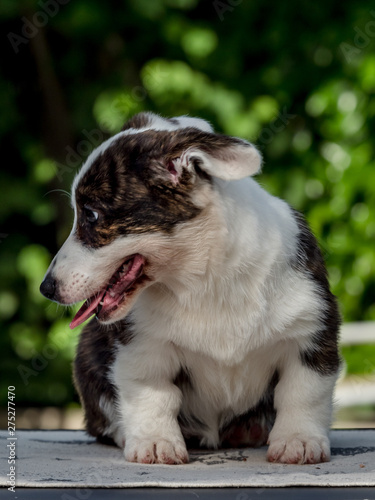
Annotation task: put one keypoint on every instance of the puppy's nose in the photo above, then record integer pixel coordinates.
(48, 287)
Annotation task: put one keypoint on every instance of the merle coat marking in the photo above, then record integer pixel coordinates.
(214, 319)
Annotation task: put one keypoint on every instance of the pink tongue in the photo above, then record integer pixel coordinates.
(109, 298)
(87, 310)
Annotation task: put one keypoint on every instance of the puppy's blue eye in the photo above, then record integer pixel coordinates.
(91, 215)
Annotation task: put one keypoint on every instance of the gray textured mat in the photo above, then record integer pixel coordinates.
(72, 459)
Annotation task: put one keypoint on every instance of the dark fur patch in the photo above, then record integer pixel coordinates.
(94, 357)
(144, 120)
(324, 355)
(141, 120)
(183, 379)
(130, 186)
(253, 427)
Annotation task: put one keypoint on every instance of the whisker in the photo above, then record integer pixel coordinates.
(63, 191)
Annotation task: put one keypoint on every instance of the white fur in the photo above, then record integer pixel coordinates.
(241, 161)
(226, 305)
(230, 323)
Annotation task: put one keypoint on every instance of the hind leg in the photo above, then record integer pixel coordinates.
(250, 430)
(94, 358)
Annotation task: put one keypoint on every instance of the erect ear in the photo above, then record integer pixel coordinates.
(221, 156)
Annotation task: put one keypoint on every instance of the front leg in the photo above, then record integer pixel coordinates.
(303, 402)
(149, 402)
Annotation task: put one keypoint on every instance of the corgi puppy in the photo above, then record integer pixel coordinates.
(213, 322)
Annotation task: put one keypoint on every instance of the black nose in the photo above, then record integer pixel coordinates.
(48, 287)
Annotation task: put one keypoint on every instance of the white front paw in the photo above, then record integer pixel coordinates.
(158, 451)
(299, 449)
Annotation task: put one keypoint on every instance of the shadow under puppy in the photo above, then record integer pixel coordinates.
(213, 315)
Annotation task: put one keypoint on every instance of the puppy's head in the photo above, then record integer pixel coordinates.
(132, 199)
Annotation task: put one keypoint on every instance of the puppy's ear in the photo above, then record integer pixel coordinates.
(139, 121)
(221, 156)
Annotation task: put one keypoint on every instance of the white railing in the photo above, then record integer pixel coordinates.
(353, 390)
(362, 332)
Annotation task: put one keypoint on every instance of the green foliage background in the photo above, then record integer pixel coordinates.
(296, 77)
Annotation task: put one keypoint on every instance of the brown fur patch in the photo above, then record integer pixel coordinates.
(130, 186)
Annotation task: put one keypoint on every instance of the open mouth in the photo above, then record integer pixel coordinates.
(109, 298)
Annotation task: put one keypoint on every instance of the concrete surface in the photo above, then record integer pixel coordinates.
(63, 459)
